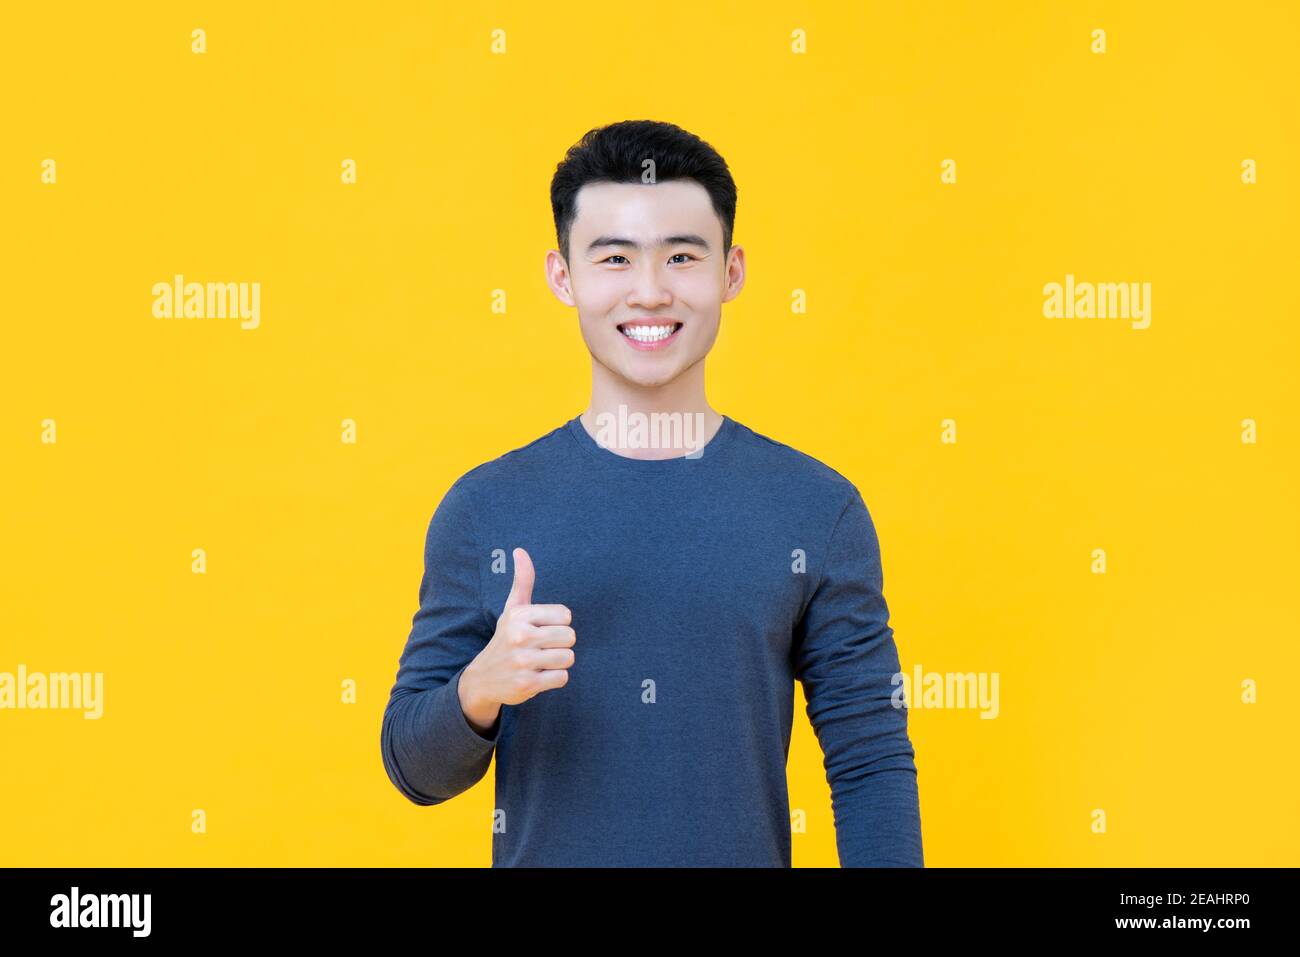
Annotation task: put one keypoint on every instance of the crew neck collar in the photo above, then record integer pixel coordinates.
(593, 448)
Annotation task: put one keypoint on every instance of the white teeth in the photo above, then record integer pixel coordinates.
(648, 333)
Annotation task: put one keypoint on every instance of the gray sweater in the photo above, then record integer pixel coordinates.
(701, 589)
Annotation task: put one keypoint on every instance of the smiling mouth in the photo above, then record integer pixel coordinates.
(648, 333)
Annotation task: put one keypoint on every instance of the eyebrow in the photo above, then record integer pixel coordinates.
(689, 239)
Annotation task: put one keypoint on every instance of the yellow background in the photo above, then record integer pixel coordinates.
(222, 691)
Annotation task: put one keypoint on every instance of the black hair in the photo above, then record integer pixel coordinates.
(616, 154)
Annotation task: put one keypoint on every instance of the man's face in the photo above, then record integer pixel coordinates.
(645, 255)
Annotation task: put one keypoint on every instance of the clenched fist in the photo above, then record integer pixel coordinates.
(530, 653)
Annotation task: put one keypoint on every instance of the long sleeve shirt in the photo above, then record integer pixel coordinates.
(701, 588)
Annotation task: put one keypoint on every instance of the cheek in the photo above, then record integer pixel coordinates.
(699, 290)
(599, 292)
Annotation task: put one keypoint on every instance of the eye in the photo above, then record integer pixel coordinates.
(687, 255)
(615, 256)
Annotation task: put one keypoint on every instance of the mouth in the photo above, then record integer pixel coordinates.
(649, 336)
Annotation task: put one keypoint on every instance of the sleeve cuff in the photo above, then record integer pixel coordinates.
(452, 716)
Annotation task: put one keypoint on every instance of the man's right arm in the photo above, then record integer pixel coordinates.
(430, 749)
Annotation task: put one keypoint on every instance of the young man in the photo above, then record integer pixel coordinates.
(634, 672)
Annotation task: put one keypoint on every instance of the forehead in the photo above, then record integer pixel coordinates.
(643, 210)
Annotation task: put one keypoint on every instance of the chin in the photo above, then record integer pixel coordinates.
(648, 383)
(653, 380)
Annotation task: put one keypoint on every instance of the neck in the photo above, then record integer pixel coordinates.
(683, 395)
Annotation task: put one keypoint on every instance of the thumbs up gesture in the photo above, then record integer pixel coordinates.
(529, 653)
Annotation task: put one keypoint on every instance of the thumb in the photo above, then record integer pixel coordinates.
(521, 591)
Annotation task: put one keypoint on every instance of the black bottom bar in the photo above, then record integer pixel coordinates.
(550, 906)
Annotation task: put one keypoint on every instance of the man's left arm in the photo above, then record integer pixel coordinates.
(845, 657)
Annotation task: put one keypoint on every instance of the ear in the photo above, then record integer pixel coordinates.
(558, 278)
(735, 273)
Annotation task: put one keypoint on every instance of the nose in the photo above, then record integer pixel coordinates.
(648, 291)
